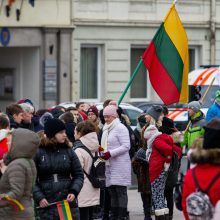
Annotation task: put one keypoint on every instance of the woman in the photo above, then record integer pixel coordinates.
(18, 178)
(59, 173)
(86, 136)
(159, 155)
(116, 143)
(207, 167)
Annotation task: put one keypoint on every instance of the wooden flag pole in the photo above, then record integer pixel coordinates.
(130, 81)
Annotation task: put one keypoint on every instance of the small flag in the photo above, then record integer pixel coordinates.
(64, 210)
(166, 59)
(17, 205)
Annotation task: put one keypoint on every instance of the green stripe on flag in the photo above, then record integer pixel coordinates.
(169, 56)
(64, 210)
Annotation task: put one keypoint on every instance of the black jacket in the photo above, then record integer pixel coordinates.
(59, 173)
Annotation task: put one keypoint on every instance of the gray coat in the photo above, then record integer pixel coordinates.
(19, 177)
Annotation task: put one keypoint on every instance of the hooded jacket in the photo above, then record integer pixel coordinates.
(18, 180)
(88, 196)
(208, 166)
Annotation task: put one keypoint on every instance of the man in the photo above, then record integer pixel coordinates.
(15, 114)
(214, 109)
(27, 116)
(75, 113)
(197, 121)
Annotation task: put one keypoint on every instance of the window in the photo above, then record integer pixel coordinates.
(89, 69)
(6, 84)
(193, 58)
(139, 85)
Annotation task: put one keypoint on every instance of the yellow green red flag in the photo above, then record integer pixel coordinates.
(15, 203)
(167, 60)
(64, 210)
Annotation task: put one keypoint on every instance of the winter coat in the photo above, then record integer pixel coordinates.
(3, 143)
(213, 112)
(208, 166)
(59, 173)
(162, 148)
(195, 130)
(88, 196)
(141, 169)
(18, 180)
(70, 127)
(118, 167)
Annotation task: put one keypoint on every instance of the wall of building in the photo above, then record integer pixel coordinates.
(118, 25)
(44, 13)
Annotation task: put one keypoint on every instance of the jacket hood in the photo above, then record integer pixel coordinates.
(202, 156)
(90, 140)
(24, 144)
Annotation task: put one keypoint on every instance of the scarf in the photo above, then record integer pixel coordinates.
(105, 132)
(150, 134)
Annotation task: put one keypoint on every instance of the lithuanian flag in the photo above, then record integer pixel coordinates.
(167, 60)
(64, 210)
(15, 203)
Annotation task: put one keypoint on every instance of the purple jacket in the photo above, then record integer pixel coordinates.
(118, 170)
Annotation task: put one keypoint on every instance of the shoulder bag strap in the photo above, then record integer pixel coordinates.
(212, 182)
(195, 179)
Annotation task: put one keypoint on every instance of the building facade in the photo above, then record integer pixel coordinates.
(35, 52)
(72, 50)
(111, 35)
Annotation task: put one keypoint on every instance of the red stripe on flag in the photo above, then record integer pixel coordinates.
(159, 77)
(60, 211)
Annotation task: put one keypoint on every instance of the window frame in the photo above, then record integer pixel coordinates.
(98, 73)
(148, 96)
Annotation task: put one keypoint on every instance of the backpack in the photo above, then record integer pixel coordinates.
(198, 204)
(173, 171)
(97, 171)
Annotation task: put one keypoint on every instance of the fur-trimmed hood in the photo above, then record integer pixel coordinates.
(201, 156)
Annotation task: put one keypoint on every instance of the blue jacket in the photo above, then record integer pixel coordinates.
(213, 112)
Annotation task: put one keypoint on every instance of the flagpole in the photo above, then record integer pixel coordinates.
(130, 81)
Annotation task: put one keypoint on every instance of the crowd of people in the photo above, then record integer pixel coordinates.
(47, 156)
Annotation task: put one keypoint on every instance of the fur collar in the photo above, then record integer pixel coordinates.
(201, 156)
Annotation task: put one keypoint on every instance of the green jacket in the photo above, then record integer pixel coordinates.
(195, 130)
(18, 180)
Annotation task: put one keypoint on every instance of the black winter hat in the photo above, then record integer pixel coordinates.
(167, 126)
(155, 111)
(211, 138)
(53, 126)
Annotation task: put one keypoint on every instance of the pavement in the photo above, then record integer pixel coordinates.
(136, 210)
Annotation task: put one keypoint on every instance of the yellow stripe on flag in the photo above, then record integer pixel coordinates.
(68, 212)
(15, 203)
(175, 30)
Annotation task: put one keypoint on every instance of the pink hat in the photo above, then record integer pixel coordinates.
(110, 110)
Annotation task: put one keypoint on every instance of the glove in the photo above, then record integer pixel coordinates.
(166, 166)
(106, 155)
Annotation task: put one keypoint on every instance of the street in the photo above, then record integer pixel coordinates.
(136, 210)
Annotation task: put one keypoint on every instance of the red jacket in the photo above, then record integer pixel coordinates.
(162, 149)
(204, 173)
(3, 147)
